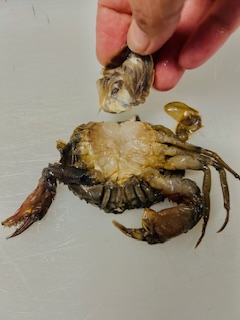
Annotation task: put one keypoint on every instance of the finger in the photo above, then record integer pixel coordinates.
(168, 71)
(113, 20)
(222, 20)
(153, 24)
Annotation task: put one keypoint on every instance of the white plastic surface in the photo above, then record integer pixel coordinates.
(74, 264)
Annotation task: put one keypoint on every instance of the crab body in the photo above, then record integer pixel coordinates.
(124, 165)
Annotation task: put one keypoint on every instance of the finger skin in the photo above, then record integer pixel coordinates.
(121, 22)
(223, 19)
(153, 24)
(168, 71)
(113, 21)
(203, 28)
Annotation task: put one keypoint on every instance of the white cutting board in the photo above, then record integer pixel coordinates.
(74, 264)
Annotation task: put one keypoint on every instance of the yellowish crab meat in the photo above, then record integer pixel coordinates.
(120, 150)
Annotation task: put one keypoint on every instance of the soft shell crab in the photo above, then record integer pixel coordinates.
(124, 165)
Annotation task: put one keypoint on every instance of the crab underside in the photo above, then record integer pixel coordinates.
(131, 164)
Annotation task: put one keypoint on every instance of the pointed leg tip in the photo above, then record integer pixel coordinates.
(225, 223)
(222, 227)
(199, 240)
(198, 243)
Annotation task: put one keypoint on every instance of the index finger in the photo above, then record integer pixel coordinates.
(113, 20)
(154, 23)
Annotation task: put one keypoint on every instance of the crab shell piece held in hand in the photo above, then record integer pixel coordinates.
(126, 81)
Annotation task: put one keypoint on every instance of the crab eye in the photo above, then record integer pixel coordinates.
(114, 91)
(115, 88)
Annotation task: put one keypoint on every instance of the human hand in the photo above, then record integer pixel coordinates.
(183, 33)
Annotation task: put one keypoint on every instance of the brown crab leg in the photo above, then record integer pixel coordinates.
(206, 196)
(201, 163)
(206, 154)
(225, 191)
(219, 162)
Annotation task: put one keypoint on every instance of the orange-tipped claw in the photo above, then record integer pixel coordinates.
(33, 208)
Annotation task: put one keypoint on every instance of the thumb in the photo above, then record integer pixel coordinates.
(154, 21)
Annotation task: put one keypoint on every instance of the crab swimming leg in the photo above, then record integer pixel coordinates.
(38, 202)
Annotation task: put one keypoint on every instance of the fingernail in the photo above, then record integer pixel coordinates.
(137, 39)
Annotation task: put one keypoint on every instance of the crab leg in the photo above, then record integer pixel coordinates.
(207, 155)
(206, 196)
(201, 163)
(225, 191)
(181, 160)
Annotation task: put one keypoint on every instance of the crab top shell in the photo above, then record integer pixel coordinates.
(126, 82)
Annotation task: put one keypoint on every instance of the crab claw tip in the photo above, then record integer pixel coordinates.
(130, 232)
(27, 222)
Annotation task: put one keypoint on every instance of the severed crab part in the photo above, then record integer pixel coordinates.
(188, 119)
(132, 164)
(126, 81)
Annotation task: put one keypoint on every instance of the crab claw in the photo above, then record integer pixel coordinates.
(130, 232)
(33, 208)
(158, 227)
(139, 234)
(147, 232)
